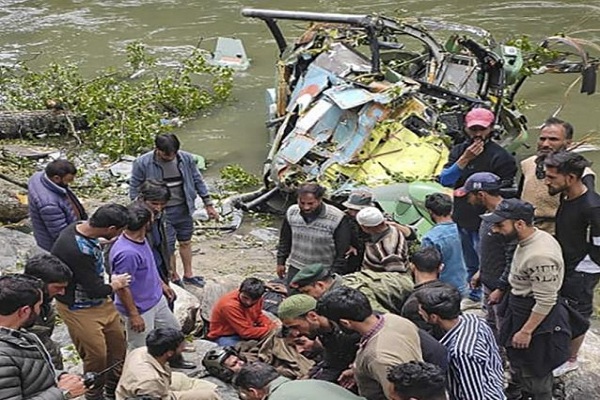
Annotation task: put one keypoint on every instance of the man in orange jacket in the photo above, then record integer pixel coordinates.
(238, 315)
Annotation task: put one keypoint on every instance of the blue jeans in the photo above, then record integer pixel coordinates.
(470, 243)
(228, 341)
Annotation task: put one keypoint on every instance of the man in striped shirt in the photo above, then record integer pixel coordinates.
(475, 367)
(386, 249)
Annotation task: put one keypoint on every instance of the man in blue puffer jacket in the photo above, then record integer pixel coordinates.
(52, 204)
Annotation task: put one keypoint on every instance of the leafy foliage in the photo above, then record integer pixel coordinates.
(236, 179)
(124, 114)
(534, 55)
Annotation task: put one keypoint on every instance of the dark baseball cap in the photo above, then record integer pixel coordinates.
(483, 181)
(510, 209)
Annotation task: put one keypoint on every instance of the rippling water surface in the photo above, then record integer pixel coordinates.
(94, 34)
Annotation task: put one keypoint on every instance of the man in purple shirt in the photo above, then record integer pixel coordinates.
(144, 303)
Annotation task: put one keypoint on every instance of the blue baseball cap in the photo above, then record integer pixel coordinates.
(483, 181)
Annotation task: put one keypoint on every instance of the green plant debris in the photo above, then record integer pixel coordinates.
(124, 114)
(236, 179)
(534, 55)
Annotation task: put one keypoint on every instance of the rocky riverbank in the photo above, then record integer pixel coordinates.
(221, 255)
(224, 259)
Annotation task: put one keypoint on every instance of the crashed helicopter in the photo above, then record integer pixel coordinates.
(373, 101)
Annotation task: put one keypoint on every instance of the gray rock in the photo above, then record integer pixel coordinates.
(16, 247)
(584, 383)
(265, 234)
(186, 308)
(214, 289)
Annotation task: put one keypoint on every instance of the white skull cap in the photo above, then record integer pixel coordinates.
(369, 217)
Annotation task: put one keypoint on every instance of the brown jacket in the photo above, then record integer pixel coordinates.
(143, 375)
(395, 343)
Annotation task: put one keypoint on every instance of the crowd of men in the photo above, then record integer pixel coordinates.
(375, 321)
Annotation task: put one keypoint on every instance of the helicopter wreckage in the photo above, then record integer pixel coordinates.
(373, 101)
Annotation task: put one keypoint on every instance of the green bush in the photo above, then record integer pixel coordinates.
(124, 114)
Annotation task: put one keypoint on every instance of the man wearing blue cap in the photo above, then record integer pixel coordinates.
(495, 251)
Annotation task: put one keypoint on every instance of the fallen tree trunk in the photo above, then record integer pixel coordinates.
(26, 124)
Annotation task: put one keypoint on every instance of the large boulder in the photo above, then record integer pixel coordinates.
(186, 309)
(16, 247)
(214, 289)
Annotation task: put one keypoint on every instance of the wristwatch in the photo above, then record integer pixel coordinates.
(66, 394)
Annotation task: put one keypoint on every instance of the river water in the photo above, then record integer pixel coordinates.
(94, 33)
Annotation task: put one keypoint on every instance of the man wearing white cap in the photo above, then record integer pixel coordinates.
(386, 249)
(476, 154)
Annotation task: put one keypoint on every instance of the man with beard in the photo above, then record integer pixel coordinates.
(386, 340)
(147, 371)
(86, 307)
(298, 315)
(536, 326)
(56, 276)
(425, 265)
(578, 232)
(495, 251)
(238, 315)
(475, 367)
(479, 153)
(312, 233)
(27, 372)
(556, 135)
(386, 250)
(358, 200)
(52, 204)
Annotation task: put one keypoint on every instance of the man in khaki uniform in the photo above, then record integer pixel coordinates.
(386, 291)
(147, 373)
(556, 135)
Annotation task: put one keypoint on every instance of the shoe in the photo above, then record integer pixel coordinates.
(194, 280)
(178, 282)
(182, 364)
(469, 304)
(567, 367)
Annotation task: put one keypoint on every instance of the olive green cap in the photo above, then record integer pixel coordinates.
(309, 274)
(295, 306)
